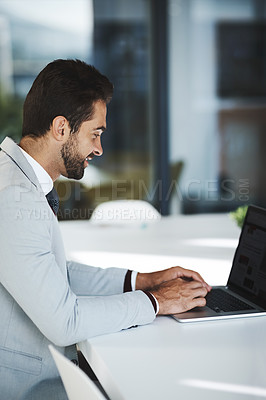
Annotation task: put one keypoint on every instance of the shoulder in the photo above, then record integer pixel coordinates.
(11, 174)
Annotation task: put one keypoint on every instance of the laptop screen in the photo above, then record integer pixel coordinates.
(249, 266)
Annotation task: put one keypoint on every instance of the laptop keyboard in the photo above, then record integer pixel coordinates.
(219, 300)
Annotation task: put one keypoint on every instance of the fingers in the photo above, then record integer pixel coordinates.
(193, 303)
(199, 302)
(196, 285)
(156, 278)
(198, 277)
(193, 274)
(200, 292)
(179, 295)
(187, 273)
(197, 289)
(195, 299)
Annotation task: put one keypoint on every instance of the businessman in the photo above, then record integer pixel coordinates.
(44, 298)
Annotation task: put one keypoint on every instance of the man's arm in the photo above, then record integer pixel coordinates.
(33, 271)
(174, 288)
(86, 280)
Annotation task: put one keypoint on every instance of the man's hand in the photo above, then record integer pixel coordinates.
(176, 289)
(179, 295)
(146, 281)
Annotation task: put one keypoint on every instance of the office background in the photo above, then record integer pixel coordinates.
(186, 126)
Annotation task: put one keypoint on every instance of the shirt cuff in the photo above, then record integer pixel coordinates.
(153, 300)
(130, 285)
(133, 280)
(130, 281)
(127, 282)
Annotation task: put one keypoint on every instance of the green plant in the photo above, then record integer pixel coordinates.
(10, 116)
(239, 215)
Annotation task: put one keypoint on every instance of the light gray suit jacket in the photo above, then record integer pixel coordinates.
(44, 298)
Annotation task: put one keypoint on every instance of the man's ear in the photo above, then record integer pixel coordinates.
(60, 128)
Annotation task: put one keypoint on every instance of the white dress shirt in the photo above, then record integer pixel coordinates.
(43, 177)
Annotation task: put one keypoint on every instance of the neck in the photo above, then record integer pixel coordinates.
(41, 150)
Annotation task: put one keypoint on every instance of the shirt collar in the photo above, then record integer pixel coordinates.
(43, 177)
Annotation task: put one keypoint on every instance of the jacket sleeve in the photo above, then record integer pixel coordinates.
(85, 280)
(30, 273)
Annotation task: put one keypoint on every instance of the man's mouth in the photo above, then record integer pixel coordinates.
(87, 159)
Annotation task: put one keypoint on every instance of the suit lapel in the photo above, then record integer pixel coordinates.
(12, 151)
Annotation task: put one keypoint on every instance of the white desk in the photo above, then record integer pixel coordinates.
(205, 243)
(169, 360)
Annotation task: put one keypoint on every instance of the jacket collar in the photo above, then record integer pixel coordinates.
(12, 150)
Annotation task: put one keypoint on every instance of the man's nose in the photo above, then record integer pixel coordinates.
(98, 150)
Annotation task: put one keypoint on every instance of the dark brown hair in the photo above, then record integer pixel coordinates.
(64, 87)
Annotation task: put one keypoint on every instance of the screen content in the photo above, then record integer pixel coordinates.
(249, 269)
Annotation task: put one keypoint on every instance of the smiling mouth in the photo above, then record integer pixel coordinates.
(89, 157)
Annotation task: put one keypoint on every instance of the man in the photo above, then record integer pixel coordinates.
(43, 297)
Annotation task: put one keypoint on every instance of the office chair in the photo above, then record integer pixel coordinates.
(77, 384)
(124, 212)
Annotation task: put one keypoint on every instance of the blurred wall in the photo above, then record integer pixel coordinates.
(198, 113)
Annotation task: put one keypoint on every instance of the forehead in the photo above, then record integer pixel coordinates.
(99, 112)
(98, 120)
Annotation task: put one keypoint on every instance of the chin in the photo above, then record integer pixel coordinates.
(77, 175)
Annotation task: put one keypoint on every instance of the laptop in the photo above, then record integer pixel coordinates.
(245, 292)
